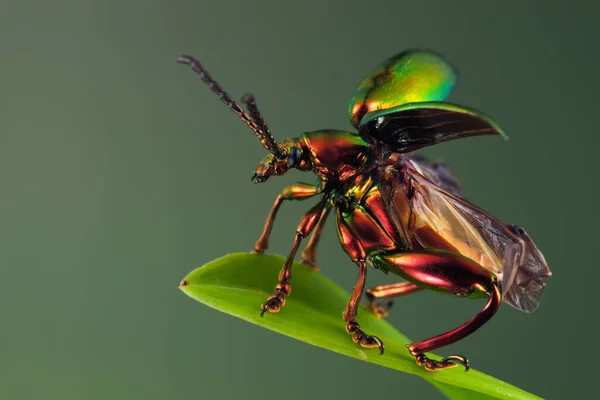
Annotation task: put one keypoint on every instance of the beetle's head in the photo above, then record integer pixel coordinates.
(283, 156)
(294, 154)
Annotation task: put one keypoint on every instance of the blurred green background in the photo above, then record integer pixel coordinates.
(121, 172)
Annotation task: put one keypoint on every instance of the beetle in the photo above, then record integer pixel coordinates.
(394, 210)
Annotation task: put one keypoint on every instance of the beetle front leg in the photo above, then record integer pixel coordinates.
(309, 255)
(297, 191)
(449, 272)
(283, 288)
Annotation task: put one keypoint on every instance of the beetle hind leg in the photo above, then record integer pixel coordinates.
(445, 363)
(449, 272)
(418, 349)
(387, 291)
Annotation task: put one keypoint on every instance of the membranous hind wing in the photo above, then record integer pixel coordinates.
(443, 220)
(436, 172)
(530, 278)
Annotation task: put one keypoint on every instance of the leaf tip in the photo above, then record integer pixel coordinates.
(183, 283)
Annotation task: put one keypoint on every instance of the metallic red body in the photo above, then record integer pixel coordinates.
(404, 215)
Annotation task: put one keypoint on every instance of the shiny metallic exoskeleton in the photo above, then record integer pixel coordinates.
(395, 210)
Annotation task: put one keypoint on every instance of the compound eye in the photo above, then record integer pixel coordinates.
(295, 157)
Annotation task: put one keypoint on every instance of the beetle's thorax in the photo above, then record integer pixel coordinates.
(335, 155)
(351, 193)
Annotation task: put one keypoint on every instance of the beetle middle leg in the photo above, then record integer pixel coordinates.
(386, 291)
(309, 255)
(283, 288)
(354, 248)
(353, 327)
(297, 191)
(449, 272)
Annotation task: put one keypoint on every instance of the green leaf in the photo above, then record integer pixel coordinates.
(239, 283)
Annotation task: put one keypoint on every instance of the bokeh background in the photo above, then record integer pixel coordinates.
(120, 172)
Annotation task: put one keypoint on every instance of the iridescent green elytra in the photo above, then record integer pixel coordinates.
(409, 77)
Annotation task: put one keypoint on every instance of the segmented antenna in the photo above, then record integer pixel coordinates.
(259, 127)
(250, 103)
